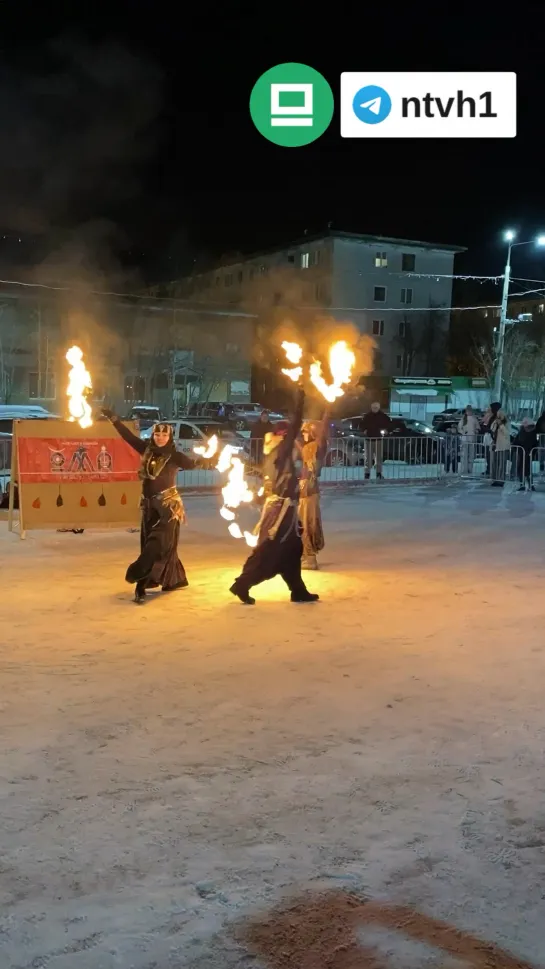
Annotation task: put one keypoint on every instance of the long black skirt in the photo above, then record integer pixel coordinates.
(158, 563)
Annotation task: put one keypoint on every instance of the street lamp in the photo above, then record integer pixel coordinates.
(509, 237)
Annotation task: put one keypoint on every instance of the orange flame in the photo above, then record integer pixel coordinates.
(210, 449)
(341, 363)
(79, 385)
(235, 492)
(293, 353)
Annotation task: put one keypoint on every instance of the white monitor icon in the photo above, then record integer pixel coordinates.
(289, 116)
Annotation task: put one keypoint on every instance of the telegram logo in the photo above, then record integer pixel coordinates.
(372, 104)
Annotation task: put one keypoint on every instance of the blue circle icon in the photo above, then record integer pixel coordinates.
(372, 104)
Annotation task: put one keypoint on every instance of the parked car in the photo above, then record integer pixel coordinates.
(146, 414)
(5, 467)
(191, 434)
(407, 440)
(19, 412)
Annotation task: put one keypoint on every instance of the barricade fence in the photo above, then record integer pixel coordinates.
(389, 459)
(393, 459)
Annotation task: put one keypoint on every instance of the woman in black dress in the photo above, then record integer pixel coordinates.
(162, 510)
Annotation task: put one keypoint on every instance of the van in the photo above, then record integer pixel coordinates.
(19, 412)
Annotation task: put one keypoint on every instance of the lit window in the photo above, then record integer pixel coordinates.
(485, 313)
(406, 296)
(378, 327)
(381, 260)
(304, 260)
(380, 294)
(542, 307)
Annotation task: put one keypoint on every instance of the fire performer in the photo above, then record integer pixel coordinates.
(313, 451)
(279, 548)
(162, 510)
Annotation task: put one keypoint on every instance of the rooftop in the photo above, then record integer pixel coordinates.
(331, 234)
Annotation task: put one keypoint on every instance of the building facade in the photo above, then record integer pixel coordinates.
(166, 353)
(397, 291)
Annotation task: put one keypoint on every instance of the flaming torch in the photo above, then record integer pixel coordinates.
(79, 386)
(341, 362)
(293, 353)
(235, 492)
(210, 449)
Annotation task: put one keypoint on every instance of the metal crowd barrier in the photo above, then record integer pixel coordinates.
(361, 460)
(348, 460)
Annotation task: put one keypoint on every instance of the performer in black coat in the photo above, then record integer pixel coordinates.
(162, 510)
(279, 548)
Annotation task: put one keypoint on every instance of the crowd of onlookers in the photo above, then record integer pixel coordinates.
(491, 436)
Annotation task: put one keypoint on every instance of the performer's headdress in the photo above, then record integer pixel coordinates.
(273, 438)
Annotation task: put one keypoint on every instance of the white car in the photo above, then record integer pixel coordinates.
(191, 434)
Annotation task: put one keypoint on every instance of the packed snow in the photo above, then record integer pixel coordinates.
(172, 770)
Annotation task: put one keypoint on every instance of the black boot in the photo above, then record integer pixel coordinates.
(140, 593)
(242, 594)
(304, 596)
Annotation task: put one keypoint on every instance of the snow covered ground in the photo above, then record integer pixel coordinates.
(172, 769)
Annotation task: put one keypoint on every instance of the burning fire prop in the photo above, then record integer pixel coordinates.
(341, 361)
(79, 386)
(294, 354)
(236, 492)
(210, 450)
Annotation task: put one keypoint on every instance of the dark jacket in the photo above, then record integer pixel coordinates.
(259, 428)
(540, 426)
(373, 424)
(527, 438)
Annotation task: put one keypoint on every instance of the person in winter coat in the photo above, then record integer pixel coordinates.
(374, 425)
(257, 436)
(501, 437)
(452, 450)
(525, 441)
(486, 430)
(469, 428)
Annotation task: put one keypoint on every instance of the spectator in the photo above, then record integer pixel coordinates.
(486, 429)
(469, 428)
(525, 442)
(452, 449)
(375, 425)
(257, 435)
(501, 437)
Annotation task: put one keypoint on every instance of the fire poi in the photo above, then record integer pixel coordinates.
(79, 386)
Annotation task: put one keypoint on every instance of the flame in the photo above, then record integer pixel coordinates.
(210, 450)
(294, 353)
(79, 385)
(341, 362)
(235, 492)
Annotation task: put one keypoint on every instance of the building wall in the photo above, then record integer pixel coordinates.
(400, 322)
(134, 353)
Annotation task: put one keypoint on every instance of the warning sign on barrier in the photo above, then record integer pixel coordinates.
(69, 477)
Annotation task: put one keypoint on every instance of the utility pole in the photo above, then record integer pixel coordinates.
(500, 345)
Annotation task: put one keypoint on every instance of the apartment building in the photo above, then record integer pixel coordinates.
(137, 350)
(399, 291)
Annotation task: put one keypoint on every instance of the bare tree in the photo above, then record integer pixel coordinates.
(522, 362)
(8, 350)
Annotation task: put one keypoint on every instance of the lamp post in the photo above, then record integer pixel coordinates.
(509, 236)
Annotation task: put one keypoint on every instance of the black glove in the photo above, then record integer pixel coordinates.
(109, 414)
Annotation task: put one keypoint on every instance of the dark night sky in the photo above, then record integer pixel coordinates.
(124, 131)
